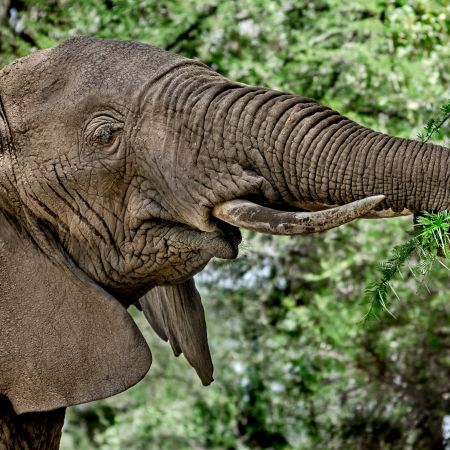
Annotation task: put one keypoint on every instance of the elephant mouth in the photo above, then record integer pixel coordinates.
(225, 244)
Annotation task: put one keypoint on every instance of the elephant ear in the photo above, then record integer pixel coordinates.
(63, 339)
(176, 314)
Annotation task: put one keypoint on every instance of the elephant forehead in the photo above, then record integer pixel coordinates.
(94, 65)
(82, 71)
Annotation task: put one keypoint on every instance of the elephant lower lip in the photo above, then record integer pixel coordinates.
(222, 243)
(226, 245)
(226, 250)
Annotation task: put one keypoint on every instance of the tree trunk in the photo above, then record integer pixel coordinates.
(30, 431)
(4, 7)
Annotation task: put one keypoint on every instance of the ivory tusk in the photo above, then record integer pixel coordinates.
(249, 215)
(387, 213)
(383, 214)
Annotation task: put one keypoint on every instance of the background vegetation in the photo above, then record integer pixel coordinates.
(295, 368)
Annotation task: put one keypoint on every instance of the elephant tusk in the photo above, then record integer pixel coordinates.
(383, 214)
(245, 214)
(388, 213)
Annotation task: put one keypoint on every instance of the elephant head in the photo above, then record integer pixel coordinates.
(124, 169)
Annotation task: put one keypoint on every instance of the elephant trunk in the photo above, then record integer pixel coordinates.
(340, 162)
(283, 149)
(314, 156)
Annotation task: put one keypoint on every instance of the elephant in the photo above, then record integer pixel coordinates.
(125, 168)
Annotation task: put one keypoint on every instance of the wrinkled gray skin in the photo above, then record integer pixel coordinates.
(115, 153)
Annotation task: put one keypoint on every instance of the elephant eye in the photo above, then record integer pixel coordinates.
(103, 134)
(102, 131)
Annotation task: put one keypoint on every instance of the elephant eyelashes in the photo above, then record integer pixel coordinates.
(102, 131)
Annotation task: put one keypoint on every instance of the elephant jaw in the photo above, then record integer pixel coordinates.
(249, 215)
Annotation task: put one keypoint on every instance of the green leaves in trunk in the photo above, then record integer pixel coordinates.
(429, 243)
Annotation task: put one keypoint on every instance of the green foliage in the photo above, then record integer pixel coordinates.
(378, 291)
(434, 125)
(429, 240)
(325, 381)
(433, 233)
